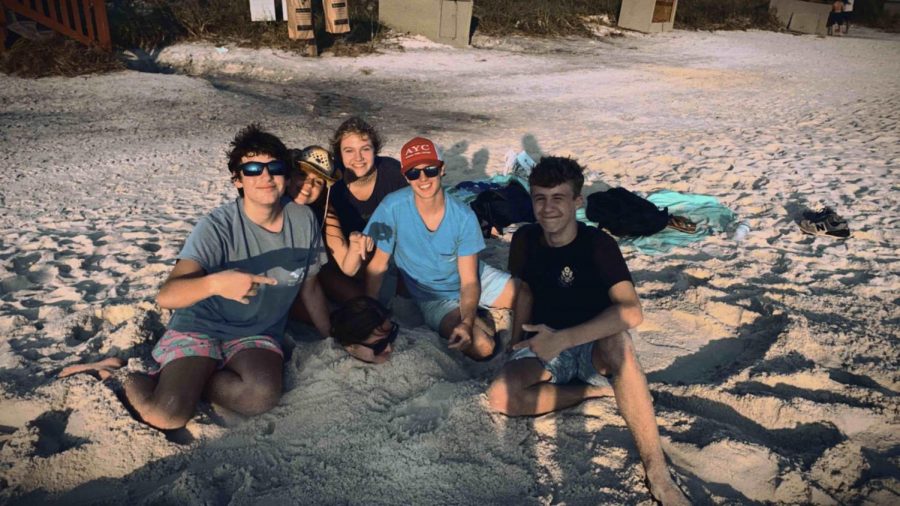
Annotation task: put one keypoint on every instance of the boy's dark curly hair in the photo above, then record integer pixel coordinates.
(555, 170)
(250, 141)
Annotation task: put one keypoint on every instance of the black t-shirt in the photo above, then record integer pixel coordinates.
(570, 284)
(353, 213)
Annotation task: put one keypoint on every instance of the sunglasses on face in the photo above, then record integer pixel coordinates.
(413, 174)
(380, 345)
(275, 168)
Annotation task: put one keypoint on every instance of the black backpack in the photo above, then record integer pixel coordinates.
(623, 213)
(502, 207)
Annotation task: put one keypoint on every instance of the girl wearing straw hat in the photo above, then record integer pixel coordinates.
(311, 182)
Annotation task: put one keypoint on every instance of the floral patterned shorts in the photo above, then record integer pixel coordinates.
(174, 345)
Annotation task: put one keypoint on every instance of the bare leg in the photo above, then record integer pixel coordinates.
(615, 355)
(482, 345)
(103, 368)
(169, 402)
(338, 287)
(250, 383)
(522, 388)
(507, 297)
(298, 311)
(521, 312)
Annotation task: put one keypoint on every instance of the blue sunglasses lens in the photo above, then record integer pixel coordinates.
(275, 167)
(252, 168)
(413, 174)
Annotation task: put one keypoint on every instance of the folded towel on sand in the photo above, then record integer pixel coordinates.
(710, 216)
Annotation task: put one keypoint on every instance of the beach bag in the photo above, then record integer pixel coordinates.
(501, 207)
(624, 214)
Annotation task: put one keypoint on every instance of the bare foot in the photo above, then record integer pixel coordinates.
(664, 489)
(482, 345)
(103, 368)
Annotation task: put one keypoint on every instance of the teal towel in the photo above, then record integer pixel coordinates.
(710, 216)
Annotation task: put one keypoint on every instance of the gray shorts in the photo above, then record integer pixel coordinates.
(493, 281)
(574, 363)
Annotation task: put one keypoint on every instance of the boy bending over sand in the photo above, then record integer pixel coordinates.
(231, 289)
(577, 301)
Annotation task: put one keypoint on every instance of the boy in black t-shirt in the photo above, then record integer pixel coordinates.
(577, 301)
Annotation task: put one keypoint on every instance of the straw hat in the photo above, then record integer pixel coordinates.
(317, 160)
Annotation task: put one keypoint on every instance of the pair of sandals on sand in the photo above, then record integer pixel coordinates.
(824, 222)
(681, 224)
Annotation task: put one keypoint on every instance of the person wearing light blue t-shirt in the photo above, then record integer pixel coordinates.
(434, 240)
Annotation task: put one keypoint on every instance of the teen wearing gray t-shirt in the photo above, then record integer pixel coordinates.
(231, 288)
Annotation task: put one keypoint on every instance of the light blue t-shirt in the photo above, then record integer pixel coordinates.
(227, 239)
(427, 260)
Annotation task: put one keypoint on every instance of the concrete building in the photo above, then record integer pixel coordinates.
(803, 17)
(445, 21)
(648, 16)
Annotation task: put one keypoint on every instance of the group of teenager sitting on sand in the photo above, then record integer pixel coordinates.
(354, 229)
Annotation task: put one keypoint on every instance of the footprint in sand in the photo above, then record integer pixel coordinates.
(15, 284)
(82, 328)
(426, 412)
(52, 436)
(22, 263)
(150, 247)
(43, 275)
(92, 290)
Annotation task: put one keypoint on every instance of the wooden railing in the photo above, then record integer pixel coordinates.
(82, 20)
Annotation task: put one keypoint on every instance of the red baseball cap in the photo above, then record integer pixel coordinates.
(417, 151)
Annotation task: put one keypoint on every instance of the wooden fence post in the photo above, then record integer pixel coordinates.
(3, 32)
(103, 37)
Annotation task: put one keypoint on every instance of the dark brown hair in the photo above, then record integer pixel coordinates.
(353, 322)
(555, 170)
(253, 140)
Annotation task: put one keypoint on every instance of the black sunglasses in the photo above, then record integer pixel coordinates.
(275, 167)
(413, 174)
(380, 345)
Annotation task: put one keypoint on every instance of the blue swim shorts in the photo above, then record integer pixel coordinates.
(493, 281)
(571, 364)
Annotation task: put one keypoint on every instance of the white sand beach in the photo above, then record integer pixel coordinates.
(773, 361)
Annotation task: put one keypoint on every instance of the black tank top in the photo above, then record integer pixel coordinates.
(354, 213)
